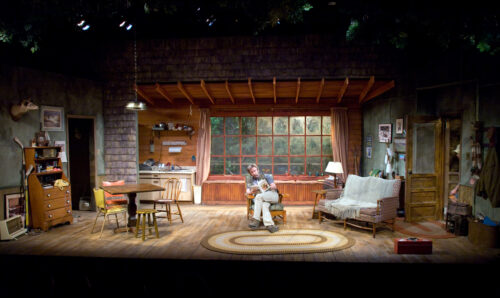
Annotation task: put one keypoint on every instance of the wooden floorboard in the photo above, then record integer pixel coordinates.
(179, 247)
(182, 240)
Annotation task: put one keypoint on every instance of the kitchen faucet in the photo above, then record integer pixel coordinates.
(175, 165)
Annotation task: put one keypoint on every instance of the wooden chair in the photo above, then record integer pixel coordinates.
(276, 209)
(170, 196)
(105, 209)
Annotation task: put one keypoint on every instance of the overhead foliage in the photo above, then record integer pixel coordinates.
(405, 25)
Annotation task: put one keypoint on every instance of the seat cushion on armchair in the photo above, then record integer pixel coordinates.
(273, 207)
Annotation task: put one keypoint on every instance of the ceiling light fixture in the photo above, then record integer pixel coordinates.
(135, 105)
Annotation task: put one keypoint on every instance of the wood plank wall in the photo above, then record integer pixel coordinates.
(223, 192)
(228, 192)
(150, 117)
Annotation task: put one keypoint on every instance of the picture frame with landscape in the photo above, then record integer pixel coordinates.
(52, 118)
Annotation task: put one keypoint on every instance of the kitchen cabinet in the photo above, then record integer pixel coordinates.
(159, 178)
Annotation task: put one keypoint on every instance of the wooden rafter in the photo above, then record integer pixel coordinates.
(229, 92)
(376, 92)
(143, 95)
(320, 90)
(298, 91)
(251, 89)
(340, 91)
(204, 88)
(343, 90)
(274, 89)
(163, 93)
(181, 88)
(367, 88)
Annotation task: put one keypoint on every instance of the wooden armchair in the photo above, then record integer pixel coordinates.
(276, 209)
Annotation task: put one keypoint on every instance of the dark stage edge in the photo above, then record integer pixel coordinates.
(47, 276)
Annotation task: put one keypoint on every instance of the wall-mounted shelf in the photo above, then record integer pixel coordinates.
(173, 133)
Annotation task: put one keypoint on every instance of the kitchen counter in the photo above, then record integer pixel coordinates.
(156, 177)
(183, 171)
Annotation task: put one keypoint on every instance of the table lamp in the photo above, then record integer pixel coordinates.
(334, 167)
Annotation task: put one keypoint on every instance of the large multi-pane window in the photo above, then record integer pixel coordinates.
(281, 145)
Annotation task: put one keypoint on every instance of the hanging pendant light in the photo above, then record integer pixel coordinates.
(135, 105)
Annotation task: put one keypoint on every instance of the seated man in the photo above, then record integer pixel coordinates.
(264, 196)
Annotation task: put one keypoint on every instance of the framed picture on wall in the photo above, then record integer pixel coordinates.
(14, 205)
(368, 152)
(384, 133)
(400, 144)
(52, 118)
(399, 125)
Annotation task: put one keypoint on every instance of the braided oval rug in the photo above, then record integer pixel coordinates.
(282, 242)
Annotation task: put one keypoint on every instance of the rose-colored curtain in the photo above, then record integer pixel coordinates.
(203, 147)
(340, 137)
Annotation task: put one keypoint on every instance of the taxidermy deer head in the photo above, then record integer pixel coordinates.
(17, 111)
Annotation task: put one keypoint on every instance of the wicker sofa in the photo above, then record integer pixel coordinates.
(366, 203)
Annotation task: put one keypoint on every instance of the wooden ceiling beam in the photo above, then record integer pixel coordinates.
(320, 90)
(367, 88)
(251, 89)
(163, 93)
(274, 89)
(143, 95)
(204, 88)
(298, 91)
(181, 88)
(229, 92)
(382, 89)
(343, 90)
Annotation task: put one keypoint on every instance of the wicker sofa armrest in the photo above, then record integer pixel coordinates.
(387, 207)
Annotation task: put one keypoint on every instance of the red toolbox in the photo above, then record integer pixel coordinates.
(412, 246)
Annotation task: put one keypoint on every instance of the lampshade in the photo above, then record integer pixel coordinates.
(136, 106)
(334, 167)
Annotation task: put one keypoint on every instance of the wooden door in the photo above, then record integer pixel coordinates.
(424, 168)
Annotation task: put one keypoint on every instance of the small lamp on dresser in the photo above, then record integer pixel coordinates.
(334, 167)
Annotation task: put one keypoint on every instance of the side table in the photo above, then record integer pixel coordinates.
(321, 194)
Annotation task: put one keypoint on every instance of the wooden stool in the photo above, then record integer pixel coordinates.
(142, 213)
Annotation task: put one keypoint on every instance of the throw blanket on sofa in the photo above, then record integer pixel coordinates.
(360, 192)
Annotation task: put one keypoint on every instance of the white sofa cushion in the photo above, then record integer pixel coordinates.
(361, 192)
